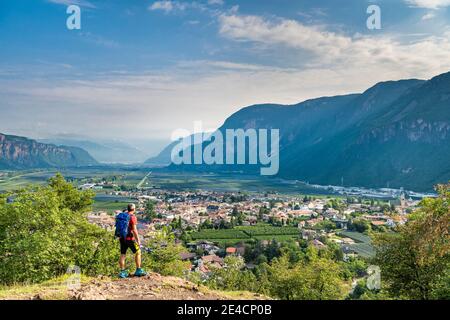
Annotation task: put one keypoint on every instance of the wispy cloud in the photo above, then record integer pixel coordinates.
(167, 6)
(430, 4)
(81, 3)
(156, 101)
(334, 49)
(429, 16)
(98, 40)
(216, 2)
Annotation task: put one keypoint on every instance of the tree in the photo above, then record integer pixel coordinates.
(207, 224)
(272, 250)
(164, 255)
(414, 261)
(176, 224)
(326, 225)
(360, 225)
(44, 230)
(231, 276)
(69, 197)
(149, 211)
(262, 211)
(318, 279)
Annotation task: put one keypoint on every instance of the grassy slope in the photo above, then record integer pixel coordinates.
(55, 289)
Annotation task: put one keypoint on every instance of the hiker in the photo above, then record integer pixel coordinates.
(126, 231)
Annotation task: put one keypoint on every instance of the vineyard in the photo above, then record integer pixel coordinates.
(268, 231)
(245, 234)
(212, 234)
(365, 250)
(358, 237)
(363, 243)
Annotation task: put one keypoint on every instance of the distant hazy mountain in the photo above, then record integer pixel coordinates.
(164, 158)
(395, 134)
(104, 151)
(22, 153)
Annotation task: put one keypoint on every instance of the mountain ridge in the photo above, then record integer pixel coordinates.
(395, 134)
(18, 152)
(102, 151)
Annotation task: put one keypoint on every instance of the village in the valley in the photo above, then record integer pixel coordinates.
(212, 225)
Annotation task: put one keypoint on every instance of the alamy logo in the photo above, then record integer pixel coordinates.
(73, 281)
(74, 20)
(374, 20)
(374, 278)
(231, 147)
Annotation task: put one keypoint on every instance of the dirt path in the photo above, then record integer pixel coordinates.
(151, 287)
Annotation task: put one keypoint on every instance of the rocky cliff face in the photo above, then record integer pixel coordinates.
(22, 153)
(395, 134)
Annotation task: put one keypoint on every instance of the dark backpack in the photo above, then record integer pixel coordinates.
(122, 223)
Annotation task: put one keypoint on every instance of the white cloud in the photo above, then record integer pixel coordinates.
(158, 103)
(81, 3)
(428, 16)
(167, 6)
(193, 22)
(430, 4)
(98, 40)
(216, 2)
(382, 53)
(173, 6)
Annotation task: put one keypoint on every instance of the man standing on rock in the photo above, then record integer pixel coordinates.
(126, 230)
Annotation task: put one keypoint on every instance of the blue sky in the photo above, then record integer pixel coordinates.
(155, 66)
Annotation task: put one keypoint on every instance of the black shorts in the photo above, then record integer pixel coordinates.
(125, 244)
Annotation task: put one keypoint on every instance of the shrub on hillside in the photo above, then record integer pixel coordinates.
(44, 230)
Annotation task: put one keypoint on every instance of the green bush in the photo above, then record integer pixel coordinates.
(232, 276)
(164, 256)
(317, 279)
(415, 260)
(44, 230)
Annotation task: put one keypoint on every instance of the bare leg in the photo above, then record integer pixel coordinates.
(122, 261)
(137, 259)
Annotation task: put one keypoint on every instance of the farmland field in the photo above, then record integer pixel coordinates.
(357, 236)
(365, 250)
(219, 234)
(246, 234)
(162, 179)
(279, 238)
(268, 230)
(109, 203)
(228, 182)
(19, 179)
(363, 243)
(230, 242)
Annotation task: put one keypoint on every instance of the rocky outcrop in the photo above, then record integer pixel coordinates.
(22, 153)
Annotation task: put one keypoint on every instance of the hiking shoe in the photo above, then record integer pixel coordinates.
(140, 272)
(123, 274)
